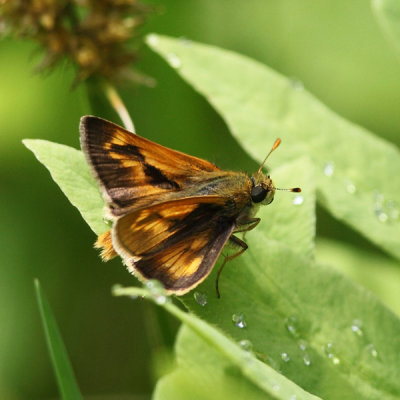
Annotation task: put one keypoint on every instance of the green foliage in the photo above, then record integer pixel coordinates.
(259, 105)
(388, 15)
(211, 365)
(70, 171)
(322, 332)
(378, 273)
(69, 389)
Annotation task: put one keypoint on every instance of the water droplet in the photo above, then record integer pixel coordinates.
(268, 360)
(174, 61)
(381, 215)
(356, 327)
(239, 321)
(385, 210)
(350, 186)
(249, 359)
(292, 325)
(302, 345)
(298, 200)
(157, 291)
(296, 84)
(246, 345)
(307, 360)
(330, 352)
(329, 168)
(285, 357)
(371, 350)
(152, 39)
(276, 387)
(201, 298)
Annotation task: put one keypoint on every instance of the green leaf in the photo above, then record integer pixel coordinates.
(361, 266)
(353, 167)
(301, 317)
(213, 366)
(66, 380)
(70, 171)
(328, 335)
(387, 13)
(291, 218)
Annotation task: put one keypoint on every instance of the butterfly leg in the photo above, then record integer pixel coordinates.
(238, 242)
(248, 225)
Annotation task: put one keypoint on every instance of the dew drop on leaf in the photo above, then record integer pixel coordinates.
(200, 298)
(350, 186)
(239, 320)
(157, 291)
(307, 360)
(302, 345)
(246, 345)
(292, 326)
(371, 350)
(276, 387)
(298, 200)
(329, 168)
(330, 352)
(356, 327)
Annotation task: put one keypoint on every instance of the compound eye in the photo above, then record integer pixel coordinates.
(258, 193)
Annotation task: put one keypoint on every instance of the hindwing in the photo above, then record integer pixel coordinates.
(176, 242)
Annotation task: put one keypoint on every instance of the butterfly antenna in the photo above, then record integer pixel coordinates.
(296, 190)
(275, 145)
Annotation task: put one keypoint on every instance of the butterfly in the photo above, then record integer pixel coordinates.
(171, 213)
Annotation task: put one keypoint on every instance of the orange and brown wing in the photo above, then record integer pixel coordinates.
(177, 242)
(134, 171)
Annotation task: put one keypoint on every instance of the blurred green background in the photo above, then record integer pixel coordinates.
(334, 47)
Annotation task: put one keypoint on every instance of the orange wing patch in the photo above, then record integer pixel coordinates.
(176, 242)
(133, 171)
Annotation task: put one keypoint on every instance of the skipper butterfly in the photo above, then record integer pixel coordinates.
(172, 213)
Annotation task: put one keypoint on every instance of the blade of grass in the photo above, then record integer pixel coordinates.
(66, 380)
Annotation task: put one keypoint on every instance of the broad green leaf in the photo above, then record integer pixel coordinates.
(210, 365)
(294, 311)
(70, 171)
(325, 333)
(353, 168)
(387, 13)
(66, 380)
(290, 219)
(306, 320)
(361, 265)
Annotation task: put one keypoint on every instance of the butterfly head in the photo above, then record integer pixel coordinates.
(263, 189)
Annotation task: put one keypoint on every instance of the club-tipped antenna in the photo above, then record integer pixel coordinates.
(296, 190)
(275, 145)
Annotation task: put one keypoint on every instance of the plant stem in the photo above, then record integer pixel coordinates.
(119, 106)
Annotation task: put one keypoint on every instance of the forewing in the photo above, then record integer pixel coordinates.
(134, 171)
(176, 242)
